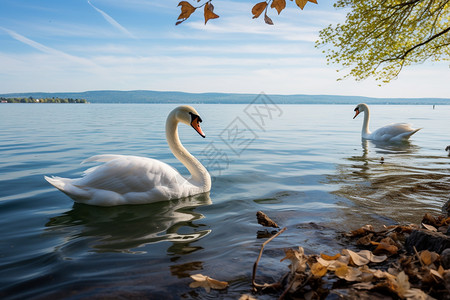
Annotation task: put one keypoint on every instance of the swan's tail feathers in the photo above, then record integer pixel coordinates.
(101, 158)
(57, 182)
(68, 187)
(412, 132)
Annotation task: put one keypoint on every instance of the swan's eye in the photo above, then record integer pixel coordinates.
(194, 116)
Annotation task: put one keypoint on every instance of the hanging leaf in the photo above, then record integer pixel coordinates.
(258, 9)
(302, 3)
(209, 12)
(186, 10)
(279, 5)
(267, 19)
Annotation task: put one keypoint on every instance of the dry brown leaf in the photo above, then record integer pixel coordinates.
(186, 10)
(318, 270)
(207, 283)
(348, 273)
(363, 285)
(336, 264)
(428, 257)
(247, 297)
(258, 9)
(436, 273)
(416, 294)
(402, 284)
(302, 3)
(324, 262)
(268, 20)
(385, 248)
(429, 227)
(361, 231)
(341, 271)
(297, 258)
(327, 257)
(441, 270)
(209, 12)
(279, 5)
(356, 258)
(365, 240)
(372, 258)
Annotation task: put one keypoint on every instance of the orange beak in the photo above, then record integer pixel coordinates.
(196, 125)
(357, 112)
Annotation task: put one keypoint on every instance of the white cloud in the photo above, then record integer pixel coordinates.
(46, 49)
(113, 22)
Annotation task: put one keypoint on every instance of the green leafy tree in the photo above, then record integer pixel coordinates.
(381, 37)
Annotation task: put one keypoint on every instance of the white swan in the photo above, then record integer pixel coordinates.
(137, 180)
(389, 133)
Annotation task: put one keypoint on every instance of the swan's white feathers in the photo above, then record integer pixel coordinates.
(122, 179)
(390, 133)
(393, 132)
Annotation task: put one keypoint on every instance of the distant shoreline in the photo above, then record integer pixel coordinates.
(173, 97)
(31, 99)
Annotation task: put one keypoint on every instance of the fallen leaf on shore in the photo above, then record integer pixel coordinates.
(298, 259)
(327, 257)
(428, 257)
(318, 270)
(207, 283)
(364, 257)
(429, 227)
(247, 297)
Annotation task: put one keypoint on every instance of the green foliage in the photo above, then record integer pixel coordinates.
(41, 100)
(380, 37)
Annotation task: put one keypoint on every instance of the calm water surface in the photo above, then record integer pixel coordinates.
(303, 165)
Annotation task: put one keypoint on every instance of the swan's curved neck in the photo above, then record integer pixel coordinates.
(365, 128)
(200, 176)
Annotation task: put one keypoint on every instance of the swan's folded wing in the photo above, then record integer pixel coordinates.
(102, 158)
(124, 174)
(394, 131)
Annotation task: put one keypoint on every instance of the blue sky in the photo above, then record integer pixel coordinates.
(80, 45)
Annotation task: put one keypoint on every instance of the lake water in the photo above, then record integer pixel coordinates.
(303, 165)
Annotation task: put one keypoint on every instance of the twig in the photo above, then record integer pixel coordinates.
(418, 256)
(291, 284)
(255, 265)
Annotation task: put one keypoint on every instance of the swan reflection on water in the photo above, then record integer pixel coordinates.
(380, 147)
(125, 228)
(402, 179)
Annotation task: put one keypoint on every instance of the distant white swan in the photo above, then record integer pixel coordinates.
(389, 133)
(137, 180)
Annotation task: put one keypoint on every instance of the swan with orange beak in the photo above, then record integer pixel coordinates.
(390, 133)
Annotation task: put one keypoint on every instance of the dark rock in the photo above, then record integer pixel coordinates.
(446, 208)
(445, 258)
(423, 239)
(264, 220)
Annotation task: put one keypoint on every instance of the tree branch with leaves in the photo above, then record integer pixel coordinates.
(381, 37)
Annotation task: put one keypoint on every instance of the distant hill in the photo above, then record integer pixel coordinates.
(142, 96)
